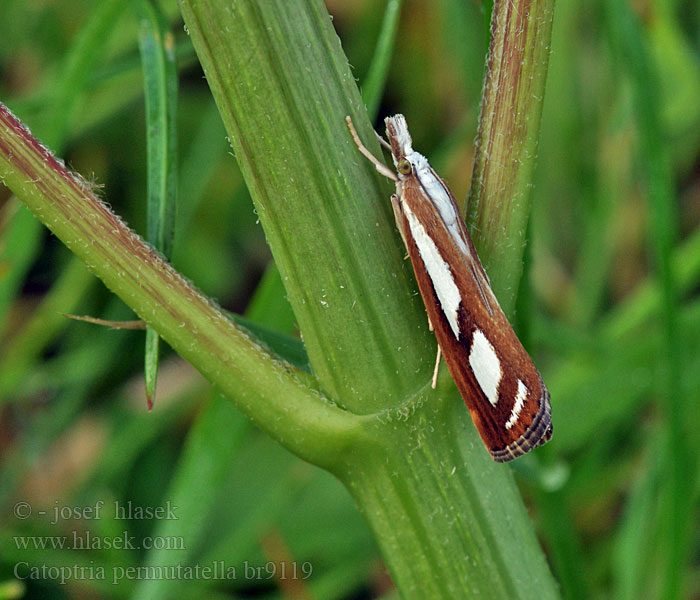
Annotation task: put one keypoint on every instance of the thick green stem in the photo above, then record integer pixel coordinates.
(422, 479)
(450, 521)
(283, 88)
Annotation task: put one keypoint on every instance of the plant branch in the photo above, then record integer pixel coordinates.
(277, 397)
(506, 146)
(421, 476)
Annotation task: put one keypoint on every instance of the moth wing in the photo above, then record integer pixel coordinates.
(504, 392)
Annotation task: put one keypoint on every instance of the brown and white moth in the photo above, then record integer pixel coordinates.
(504, 392)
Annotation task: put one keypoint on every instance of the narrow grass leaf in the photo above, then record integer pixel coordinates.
(628, 38)
(19, 354)
(160, 85)
(373, 85)
(205, 462)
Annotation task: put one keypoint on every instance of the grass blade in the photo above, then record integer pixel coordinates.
(156, 44)
(373, 85)
(676, 493)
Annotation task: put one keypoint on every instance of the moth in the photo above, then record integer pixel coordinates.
(503, 390)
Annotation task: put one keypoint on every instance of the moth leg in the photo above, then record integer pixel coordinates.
(380, 166)
(396, 206)
(433, 384)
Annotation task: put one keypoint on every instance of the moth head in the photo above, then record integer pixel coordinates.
(398, 136)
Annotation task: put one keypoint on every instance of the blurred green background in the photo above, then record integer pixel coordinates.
(608, 308)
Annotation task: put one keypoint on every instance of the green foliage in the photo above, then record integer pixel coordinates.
(612, 315)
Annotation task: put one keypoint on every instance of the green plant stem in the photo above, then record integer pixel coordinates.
(327, 218)
(506, 147)
(450, 522)
(325, 210)
(279, 398)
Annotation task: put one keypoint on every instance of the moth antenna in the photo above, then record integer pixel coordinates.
(383, 142)
(379, 165)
